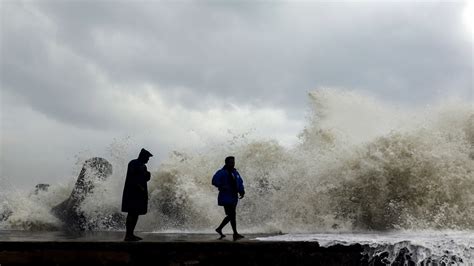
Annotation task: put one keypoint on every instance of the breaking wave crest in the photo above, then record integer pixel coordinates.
(359, 165)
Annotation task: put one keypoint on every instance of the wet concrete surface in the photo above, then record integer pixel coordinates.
(108, 248)
(114, 236)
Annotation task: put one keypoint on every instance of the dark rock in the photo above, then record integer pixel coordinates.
(68, 211)
(443, 260)
(380, 259)
(403, 258)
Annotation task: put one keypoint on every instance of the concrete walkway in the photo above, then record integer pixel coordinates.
(108, 248)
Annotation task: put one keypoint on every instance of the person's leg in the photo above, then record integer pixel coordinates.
(223, 223)
(231, 215)
(219, 229)
(132, 219)
(233, 222)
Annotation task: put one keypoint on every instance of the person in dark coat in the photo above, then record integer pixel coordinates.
(231, 189)
(135, 193)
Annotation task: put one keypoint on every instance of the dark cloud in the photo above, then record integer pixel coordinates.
(266, 54)
(80, 62)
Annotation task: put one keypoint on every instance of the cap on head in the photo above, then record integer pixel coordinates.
(145, 154)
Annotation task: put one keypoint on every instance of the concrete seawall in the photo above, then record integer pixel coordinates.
(176, 253)
(169, 250)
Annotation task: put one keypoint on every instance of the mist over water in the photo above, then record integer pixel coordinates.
(360, 165)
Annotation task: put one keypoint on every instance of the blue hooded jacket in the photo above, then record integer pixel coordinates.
(228, 192)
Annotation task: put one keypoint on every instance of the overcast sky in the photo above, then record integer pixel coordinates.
(80, 77)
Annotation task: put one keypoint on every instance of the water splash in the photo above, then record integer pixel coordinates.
(422, 247)
(360, 164)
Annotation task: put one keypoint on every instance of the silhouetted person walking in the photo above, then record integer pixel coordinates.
(135, 193)
(231, 189)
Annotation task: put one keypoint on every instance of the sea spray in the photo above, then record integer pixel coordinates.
(416, 171)
(32, 211)
(360, 164)
(422, 247)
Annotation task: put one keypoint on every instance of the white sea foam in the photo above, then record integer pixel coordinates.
(360, 165)
(422, 244)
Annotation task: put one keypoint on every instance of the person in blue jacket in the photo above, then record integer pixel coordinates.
(231, 189)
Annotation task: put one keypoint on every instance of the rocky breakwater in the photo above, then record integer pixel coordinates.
(69, 211)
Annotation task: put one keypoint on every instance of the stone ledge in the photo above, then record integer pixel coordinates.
(175, 253)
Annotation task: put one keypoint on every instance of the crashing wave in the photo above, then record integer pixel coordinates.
(359, 165)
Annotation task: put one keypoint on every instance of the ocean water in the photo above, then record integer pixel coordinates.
(431, 247)
(360, 165)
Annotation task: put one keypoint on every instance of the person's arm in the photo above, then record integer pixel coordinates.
(216, 179)
(142, 176)
(146, 174)
(240, 185)
(134, 177)
(220, 180)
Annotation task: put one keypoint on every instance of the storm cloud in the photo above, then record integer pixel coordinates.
(75, 75)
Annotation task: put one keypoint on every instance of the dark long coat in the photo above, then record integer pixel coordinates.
(135, 191)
